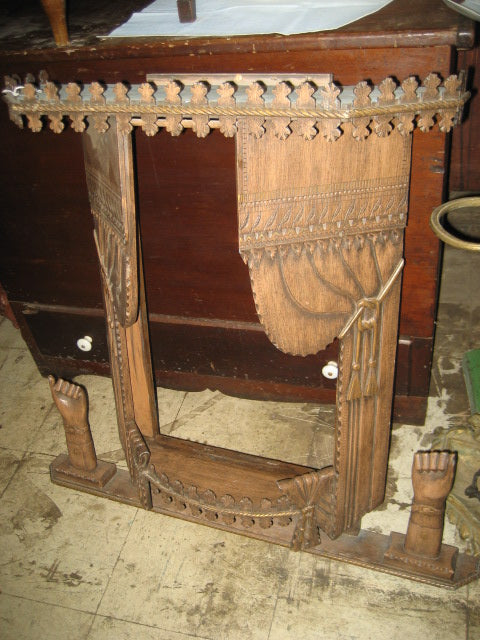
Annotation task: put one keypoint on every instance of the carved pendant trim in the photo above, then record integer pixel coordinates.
(286, 105)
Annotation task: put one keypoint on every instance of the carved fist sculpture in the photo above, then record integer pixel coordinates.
(432, 478)
(71, 401)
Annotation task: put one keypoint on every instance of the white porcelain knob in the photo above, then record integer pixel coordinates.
(330, 370)
(85, 343)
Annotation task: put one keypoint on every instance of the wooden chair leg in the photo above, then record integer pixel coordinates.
(55, 10)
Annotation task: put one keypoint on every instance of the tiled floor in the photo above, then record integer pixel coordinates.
(78, 567)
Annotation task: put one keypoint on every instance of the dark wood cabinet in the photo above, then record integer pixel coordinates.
(204, 328)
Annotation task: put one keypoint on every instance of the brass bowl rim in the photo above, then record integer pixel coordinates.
(440, 212)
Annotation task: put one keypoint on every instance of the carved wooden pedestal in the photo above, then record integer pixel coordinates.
(322, 203)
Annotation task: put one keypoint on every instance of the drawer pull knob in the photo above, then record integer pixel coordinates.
(330, 370)
(85, 343)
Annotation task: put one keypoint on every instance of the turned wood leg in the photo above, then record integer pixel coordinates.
(81, 462)
(55, 10)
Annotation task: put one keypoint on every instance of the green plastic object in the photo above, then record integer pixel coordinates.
(471, 372)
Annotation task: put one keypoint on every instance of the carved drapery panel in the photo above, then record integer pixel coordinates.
(320, 227)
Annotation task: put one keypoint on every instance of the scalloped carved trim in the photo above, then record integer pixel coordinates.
(301, 108)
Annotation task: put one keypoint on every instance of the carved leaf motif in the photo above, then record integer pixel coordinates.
(149, 124)
(281, 101)
(96, 92)
(199, 98)
(149, 120)
(426, 120)
(173, 123)
(146, 92)
(56, 124)
(51, 92)
(100, 122)
(452, 86)
(362, 99)
(120, 91)
(73, 96)
(124, 125)
(446, 120)
(387, 88)
(330, 128)
(227, 124)
(305, 127)
(255, 99)
(34, 122)
(431, 84)
(409, 87)
(29, 91)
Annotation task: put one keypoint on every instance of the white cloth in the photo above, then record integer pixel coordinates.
(246, 17)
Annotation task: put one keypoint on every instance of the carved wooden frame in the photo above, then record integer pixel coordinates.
(325, 261)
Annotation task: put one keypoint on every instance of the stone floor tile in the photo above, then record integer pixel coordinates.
(22, 619)
(335, 601)
(278, 430)
(106, 628)
(188, 578)
(9, 462)
(24, 400)
(10, 337)
(58, 546)
(474, 612)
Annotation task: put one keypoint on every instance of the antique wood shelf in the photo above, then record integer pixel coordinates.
(322, 195)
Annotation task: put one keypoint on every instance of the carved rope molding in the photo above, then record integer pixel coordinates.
(306, 107)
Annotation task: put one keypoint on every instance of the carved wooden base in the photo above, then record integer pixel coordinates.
(367, 550)
(62, 469)
(441, 567)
